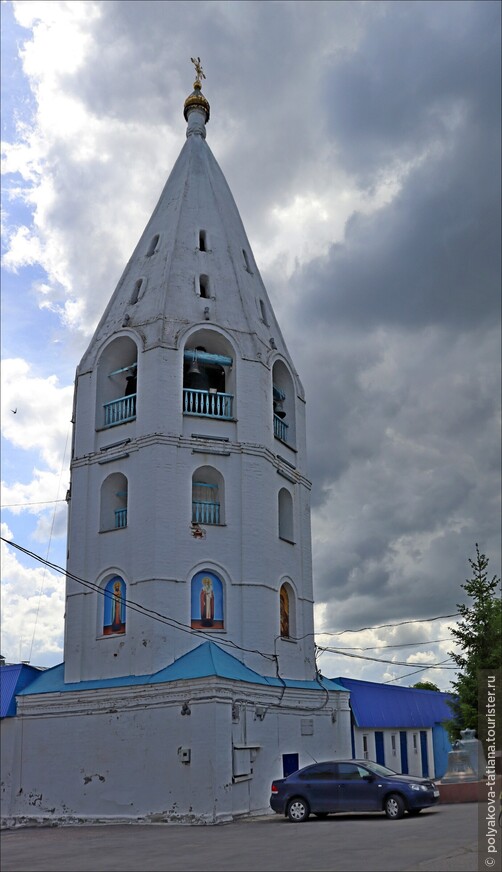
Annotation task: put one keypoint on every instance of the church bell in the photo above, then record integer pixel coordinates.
(279, 409)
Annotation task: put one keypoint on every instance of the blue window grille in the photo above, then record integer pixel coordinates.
(207, 404)
(119, 411)
(280, 429)
(120, 518)
(205, 505)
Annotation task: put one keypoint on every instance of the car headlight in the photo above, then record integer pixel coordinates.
(418, 787)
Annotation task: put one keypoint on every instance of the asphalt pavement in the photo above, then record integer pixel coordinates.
(443, 839)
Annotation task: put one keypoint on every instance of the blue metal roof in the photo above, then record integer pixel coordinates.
(13, 678)
(380, 705)
(205, 660)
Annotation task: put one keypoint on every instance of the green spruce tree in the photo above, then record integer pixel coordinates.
(479, 634)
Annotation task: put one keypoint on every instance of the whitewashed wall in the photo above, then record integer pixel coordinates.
(115, 753)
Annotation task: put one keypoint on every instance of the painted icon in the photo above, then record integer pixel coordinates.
(207, 602)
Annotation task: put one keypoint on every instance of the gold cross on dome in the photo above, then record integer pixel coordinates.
(199, 72)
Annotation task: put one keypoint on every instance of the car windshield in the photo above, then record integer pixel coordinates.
(379, 770)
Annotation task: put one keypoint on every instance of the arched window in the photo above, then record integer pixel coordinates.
(263, 313)
(113, 510)
(136, 291)
(204, 287)
(207, 496)
(283, 399)
(287, 611)
(285, 507)
(202, 240)
(114, 609)
(208, 376)
(246, 261)
(152, 248)
(207, 605)
(117, 385)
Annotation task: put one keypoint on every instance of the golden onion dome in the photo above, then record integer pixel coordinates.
(196, 99)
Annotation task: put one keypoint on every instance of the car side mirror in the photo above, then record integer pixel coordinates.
(368, 777)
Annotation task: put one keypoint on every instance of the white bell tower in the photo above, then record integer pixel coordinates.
(189, 510)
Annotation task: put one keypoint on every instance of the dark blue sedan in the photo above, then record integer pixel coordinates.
(350, 785)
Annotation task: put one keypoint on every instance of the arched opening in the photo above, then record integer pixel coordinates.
(207, 607)
(287, 611)
(246, 261)
(285, 506)
(208, 496)
(283, 402)
(202, 240)
(113, 508)
(114, 607)
(204, 287)
(263, 313)
(208, 376)
(152, 248)
(138, 285)
(117, 383)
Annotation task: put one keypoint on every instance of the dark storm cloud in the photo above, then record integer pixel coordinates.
(416, 68)
(418, 90)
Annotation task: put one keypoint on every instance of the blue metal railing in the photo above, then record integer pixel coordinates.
(280, 428)
(207, 404)
(204, 512)
(119, 411)
(120, 518)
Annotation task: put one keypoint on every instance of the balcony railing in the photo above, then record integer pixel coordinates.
(120, 518)
(119, 411)
(205, 512)
(280, 428)
(207, 404)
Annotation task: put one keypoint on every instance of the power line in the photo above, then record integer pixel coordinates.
(404, 645)
(381, 626)
(38, 503)
(381, 660)
(158, 616)
(178, 625)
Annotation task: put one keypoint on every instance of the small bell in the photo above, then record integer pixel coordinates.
(194, 366)
(279, 409)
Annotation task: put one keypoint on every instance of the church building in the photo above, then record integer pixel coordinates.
(189, 679)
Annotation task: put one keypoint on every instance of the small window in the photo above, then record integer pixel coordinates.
(393, 744)
(246, 261)
(415, 743)
(263, 313)
(153, 245)
(284, 608)
(202, 240)
(136, 292)
(204, 287)
(285, 515)
(365, 747)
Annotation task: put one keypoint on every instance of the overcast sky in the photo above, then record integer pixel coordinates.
(361, 142)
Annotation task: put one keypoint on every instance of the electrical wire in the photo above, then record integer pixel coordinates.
(158, 616)
(38, 503)
(382, 660)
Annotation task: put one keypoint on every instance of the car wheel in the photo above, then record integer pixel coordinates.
(298, 810)
(394, 807)
(414, 811)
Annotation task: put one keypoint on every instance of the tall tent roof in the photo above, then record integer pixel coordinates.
(158, 291)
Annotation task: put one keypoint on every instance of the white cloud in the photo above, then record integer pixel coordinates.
(32, 610)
